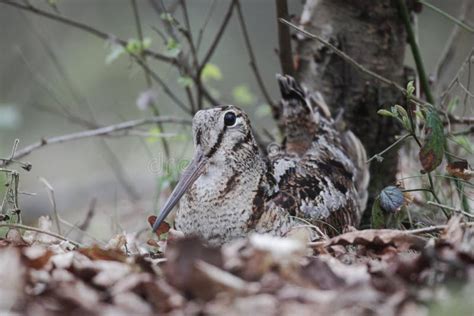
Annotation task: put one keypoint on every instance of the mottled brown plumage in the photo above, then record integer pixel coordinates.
(317, 176)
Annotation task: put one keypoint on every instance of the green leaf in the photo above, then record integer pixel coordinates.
(165, 16)
(384, 112)
(410, 88)
(155, 135)
(432, 152)
(242, 95)
(401, 111)
(211, 71)
(419, 115)
(134, 46)
(173, 48)
(404, 117)
(185, 81)
(378, 215)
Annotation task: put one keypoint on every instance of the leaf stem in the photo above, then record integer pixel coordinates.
(402, 138)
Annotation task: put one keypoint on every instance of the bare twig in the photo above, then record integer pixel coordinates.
(98, 132)
(206, 21)
(253, 60)
(284, 39)
(357, 65)
(456, 210)
(447, 51)
(162, 83)
(218, 37)
(90, 213)
(379, 155)
(455, 79)
(52, 200)
(464, 132)
(34, 229)
(200, 91)
(453, 119)
(85, 27)
(74, 227)
(105, 36)
(458, 22)
(346, 57)
(188, 34)
(146, 71)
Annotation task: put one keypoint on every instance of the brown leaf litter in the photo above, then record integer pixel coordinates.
(367, 272)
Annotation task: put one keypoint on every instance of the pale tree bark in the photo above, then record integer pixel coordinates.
(372, 33)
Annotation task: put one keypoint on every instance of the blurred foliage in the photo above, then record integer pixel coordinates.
(243, 96)
(211, 72)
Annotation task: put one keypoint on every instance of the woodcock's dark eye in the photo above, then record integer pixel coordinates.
(229, 118)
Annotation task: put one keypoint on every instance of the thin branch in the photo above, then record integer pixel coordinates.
(201, 92)
(52, 200)
(253, 60)
(465, 132)
(90, 213)
(448, 16)
(162, 83)
(455, 79)
(98, 132)
(379, 155)
(218, 37)
(453, 119)
(34, 229)
(465, 213)
(351, 61)
(146, 71)
(188, 34)
(284, 39)
(85, 27)
(448, 49)
(74, 227)
(206, 21)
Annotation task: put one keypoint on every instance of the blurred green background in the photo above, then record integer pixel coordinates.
(33, 92)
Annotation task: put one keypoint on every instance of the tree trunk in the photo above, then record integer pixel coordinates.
(372, 33)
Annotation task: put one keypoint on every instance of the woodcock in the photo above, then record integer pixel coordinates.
(317, 177)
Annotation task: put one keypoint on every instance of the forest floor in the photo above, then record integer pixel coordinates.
(389, 272)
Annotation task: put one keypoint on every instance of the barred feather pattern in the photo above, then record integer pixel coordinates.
(317, 176)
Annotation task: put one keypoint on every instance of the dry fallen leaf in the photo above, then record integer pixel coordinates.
(162, 229)
(460, 169)
(379, 237)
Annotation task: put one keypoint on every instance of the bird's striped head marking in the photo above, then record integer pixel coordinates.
(222, 129)
(219, 133)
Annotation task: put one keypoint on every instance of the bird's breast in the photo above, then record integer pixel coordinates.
(218, 205)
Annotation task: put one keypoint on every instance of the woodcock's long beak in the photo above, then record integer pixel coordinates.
(190, 174)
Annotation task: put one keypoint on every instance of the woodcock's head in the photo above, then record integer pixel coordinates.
(219, 133)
